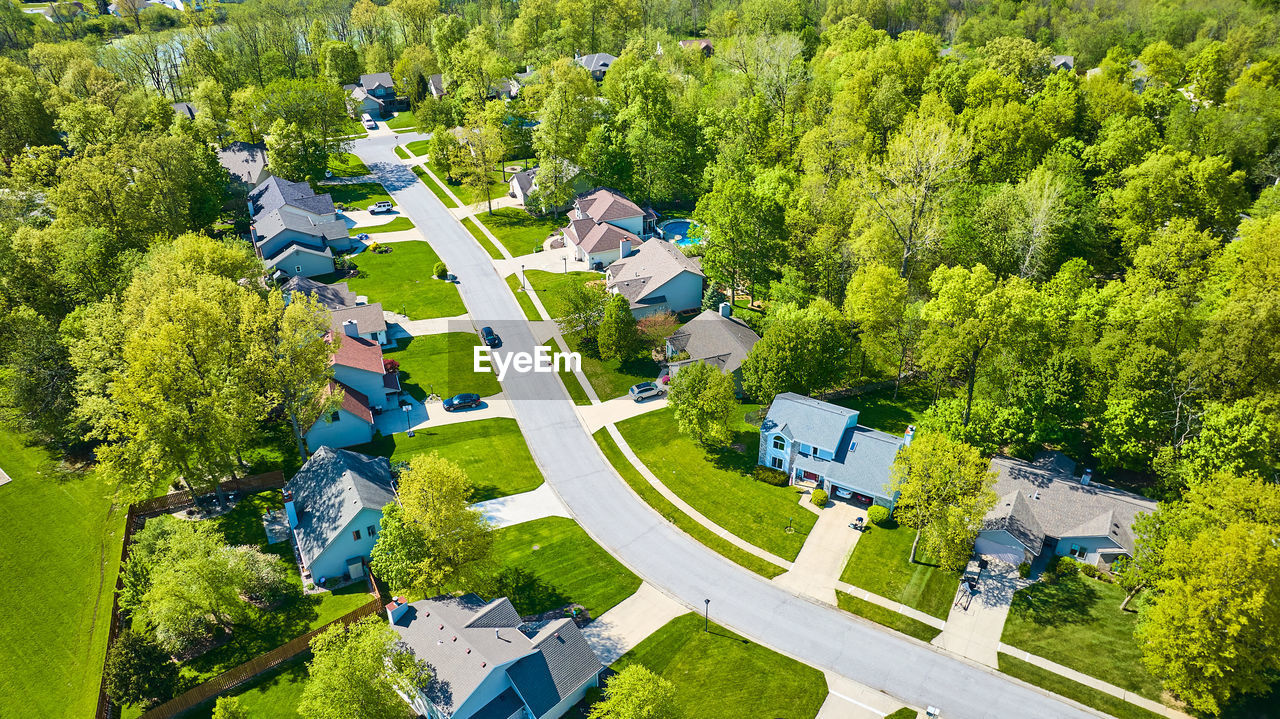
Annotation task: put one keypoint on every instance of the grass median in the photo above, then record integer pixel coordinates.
(886, 617)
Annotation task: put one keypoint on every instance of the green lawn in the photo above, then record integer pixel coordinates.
(886, 617)
(467, 194)
(880, 410)
(880, 564)
(492, 451)
(418, 148)
(358, 195)
(484, 241)
(522, 297)
(550, 286)
(402, 281)
(442, 364)
(397, 225)
(574, 388)
(434, 187)
(520, 232)
(62, 552)
(1058, 684)
(903, 713)
(273, 695)
(719, 675)
(352, 127)
(1077, 622)
(405, 120)
(567, 566)
(716, 484)
(345, 164)
(402, 154)
(672, 513)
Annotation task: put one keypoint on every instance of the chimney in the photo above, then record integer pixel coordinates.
(911, 432)
(726, 309)
(397, 609)
(290, 510)
(1087, 477)
(624, 248)
(351, 328)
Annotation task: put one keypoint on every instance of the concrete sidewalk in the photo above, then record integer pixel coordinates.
(399, 326)
(976, 622)
(617, 409)
(847, 699)
(523, 507)
(1115, 691)
(825, 552)
(629, 622)
(554, 261)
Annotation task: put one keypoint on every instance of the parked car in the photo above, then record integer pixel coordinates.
(462, 401)
(380, 206)
(490, 338)
(645, 390)
(363, 237)
(368, 121)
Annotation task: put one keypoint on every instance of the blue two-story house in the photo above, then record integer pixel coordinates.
(374, 94)
(334, 507)
(821, 445)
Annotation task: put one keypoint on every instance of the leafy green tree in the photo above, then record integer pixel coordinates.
(565, 117)
(433, 536)
(944, 492)
(888, 325)
(742, 239)
(802, 351)
(292, 157)
(618, 336)
(356, 671)
(443, 149)
(24, 120)
(138, 671)
(635, 692)
(228, 707)
(584, 309)
(341, 66)
(702, 399)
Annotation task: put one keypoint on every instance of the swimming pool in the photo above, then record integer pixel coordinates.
(677, 231)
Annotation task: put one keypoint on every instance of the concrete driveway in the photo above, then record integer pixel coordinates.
(659, 553)
(617, 409)
(523, 507)
(630, 622)
(826, 551)
(976, 621)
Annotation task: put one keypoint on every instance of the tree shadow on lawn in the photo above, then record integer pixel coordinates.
(527, 591)
(264, 630)
(1069, 600)
(740, 456)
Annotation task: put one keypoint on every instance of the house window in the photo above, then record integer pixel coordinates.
(779, 443)
(1077, 551)
(355, 534)
(333, 416)
(777, 463)
(297, 269)
(371, 530)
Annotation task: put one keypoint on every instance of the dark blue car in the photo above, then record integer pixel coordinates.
(462, 401)
(489, 337)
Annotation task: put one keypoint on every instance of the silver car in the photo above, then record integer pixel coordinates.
(645, 390)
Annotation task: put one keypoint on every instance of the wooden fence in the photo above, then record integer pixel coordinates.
(252, 668)
(135, 519)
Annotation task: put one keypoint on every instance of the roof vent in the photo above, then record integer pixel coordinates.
(468, 650)
(1037, 495)
(483, 664)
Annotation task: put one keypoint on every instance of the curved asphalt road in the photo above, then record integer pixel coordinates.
(816, 634)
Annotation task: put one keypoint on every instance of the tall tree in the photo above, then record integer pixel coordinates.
(360, 671)
(565, 118)
(944, 492)
(618, 336)
(702, 399)
(635, 692)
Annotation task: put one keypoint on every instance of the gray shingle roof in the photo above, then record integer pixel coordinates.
(1043, 498)
(275, 192)
(244, 160)
(375, 80)
(811, 421)
(330, 490)
(720, 341)
(368, 318)
(524, 179)
(269, 223)
(640, 274)
(596, 61)
(862, 462)
(332, 297)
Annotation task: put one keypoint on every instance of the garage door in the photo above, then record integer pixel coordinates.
(998, 550)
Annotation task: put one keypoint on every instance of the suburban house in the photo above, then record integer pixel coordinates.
(363, 321)
(597, 63)
(128, 8)
(294, 230)
(714, 337)
(488, 663)
(374, 94)
(246, 162)
(435, 84)
(334, 507)
(184, 109)
(1063, 62)
(1045, 510)
(63, 12)
(702, 44)
(334, 296)
(657, 277)
(822, 445)
(367, 388)
(605, 226)
(523, 184)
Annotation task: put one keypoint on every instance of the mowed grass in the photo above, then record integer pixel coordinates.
(1058, 684)
(522, 297)
(1077, 622)
(492, 451)
(396, 225)
(359, 195)
(61, 553)
(345, 164)
(886, 617)
(881, 564)
(273, 695)
(466, 193)
(418, 148)
(442, 364)
(568, 565)
(405, 120)
(672, 513)
(716, 482)
(881, 410)
(402, 281)
(485, 242)
(518, 231)
(720, 675)
(402, 153)
(551, 287)
(434, 187)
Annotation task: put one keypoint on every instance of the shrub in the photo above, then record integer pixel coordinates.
(878, 515)
(1060, 567)
(769, 475)
(1024, 570)
(441, 271)
(1089, 570)
(819, 498)
(138, 671)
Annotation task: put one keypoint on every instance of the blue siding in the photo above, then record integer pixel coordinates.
(332, 562)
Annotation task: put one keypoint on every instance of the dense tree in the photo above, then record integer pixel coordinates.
(565, 117)
(802, 351)
(944, 492)
(229, 707)
(635, 692)
(359, 671)
(618, 336)
(138, 671)
(702, 399)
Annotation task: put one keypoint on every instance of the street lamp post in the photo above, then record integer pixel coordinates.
(522, 285)
(566, 264)
(706, 615)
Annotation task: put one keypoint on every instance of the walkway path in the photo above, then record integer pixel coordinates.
(618, 409)
(629, 622)
(523, 507)
(847, 699)
(1113, 690)
(660, 554)
(825, 553)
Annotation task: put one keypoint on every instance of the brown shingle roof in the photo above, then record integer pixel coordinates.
(359, 353)
(607, 205)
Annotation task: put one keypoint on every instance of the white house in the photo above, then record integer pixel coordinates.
(822, 445)
(488, 663)
(1044, 510)
(334, 506)
(657, 277)
(605, 226)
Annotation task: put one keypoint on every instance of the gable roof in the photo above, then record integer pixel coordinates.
(184, 109)
(375, 80)
(604, 204)
(435, 84)
(863, 461)
(638, 275)
(330, 490)
(334, 296)
(274, 193)
(368, 318)
(269, 223)
(464, 640)
(596, 61)
(1043, 498)
(353, 401)
(291, 249)
(358, 353)
(244, 160)
(594, 236)
(524, 180)
(809, 420)
(720, 341)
